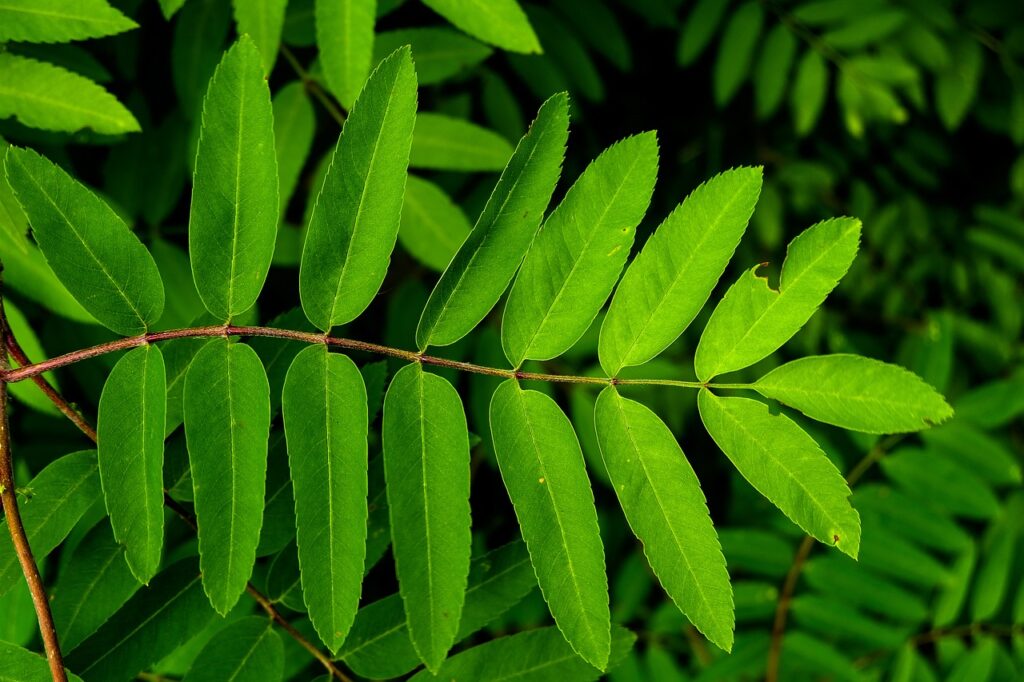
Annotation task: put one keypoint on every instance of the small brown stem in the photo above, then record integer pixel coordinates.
(19, 537)
(313, 86)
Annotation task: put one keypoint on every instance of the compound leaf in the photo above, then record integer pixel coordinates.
(485, 263)
(426, 465)
(227, 424)
(785, 465)
(354, 224)
(579, 253)
(856, 393)
(542, 466)
(670, 281)
(666, 509)
(753, 320)
(325, 421)
(90, 249)
(233, 220)
(130, 445)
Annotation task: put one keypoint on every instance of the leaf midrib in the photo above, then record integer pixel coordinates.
(661, 507)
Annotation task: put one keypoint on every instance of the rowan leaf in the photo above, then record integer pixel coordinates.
(58, 21)
(785, 465)
(426, 465)
(439, 53)
(753, 320)
(43, 95)
(671, 279)
(154, 622)
(130, 426)
(856, 393)
(227, 423)
(22, 665)
(542, 466)
(325, 421)
(354, 223)
(234, 213)
(433, 226)
(344, 37)
(501, 23)
(480, 271)
(378, 647)
(578, 255)
(90, 249)
(247, 650)
(263, 21)
(540, 654)
(445, 143)
(666, 509)
(61, 494)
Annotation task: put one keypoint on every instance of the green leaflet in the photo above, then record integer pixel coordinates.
(809, 91)
(785, 465)
(445, 143)
(247, 650)
(325, 421)
(42, 95)
(61, 494)
(262, 20)
(227, 423)
(856, 393)
(170, 7)
(233, 219)
(539, 655)
(155, 622)
(354, 224)
(542, 466)
(130, 426)
(736, 51)
(344, 36)
(433, 226)
(772, 69)
(753, 320)
(579, 253)
(666, 509)
(58, 21)
(22, 665)
(670, 281)
(498, 22)
(94, 584)
(199, 35)
(294, 127)
(90, 249)
(485, 263)
(440, 53)
(426, 464)
(925, 475)
(700, 27)
(378, 647)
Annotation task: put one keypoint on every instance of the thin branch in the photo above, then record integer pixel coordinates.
(800, 560)
(28, 371)
(86, 428)
(19, 537)
(313, 86)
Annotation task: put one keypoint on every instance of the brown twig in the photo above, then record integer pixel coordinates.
(800, 560)
(19, 537)
(313, 86)
(29, 371)
(86, 428)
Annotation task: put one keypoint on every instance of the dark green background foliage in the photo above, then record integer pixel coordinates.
(179, 118)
